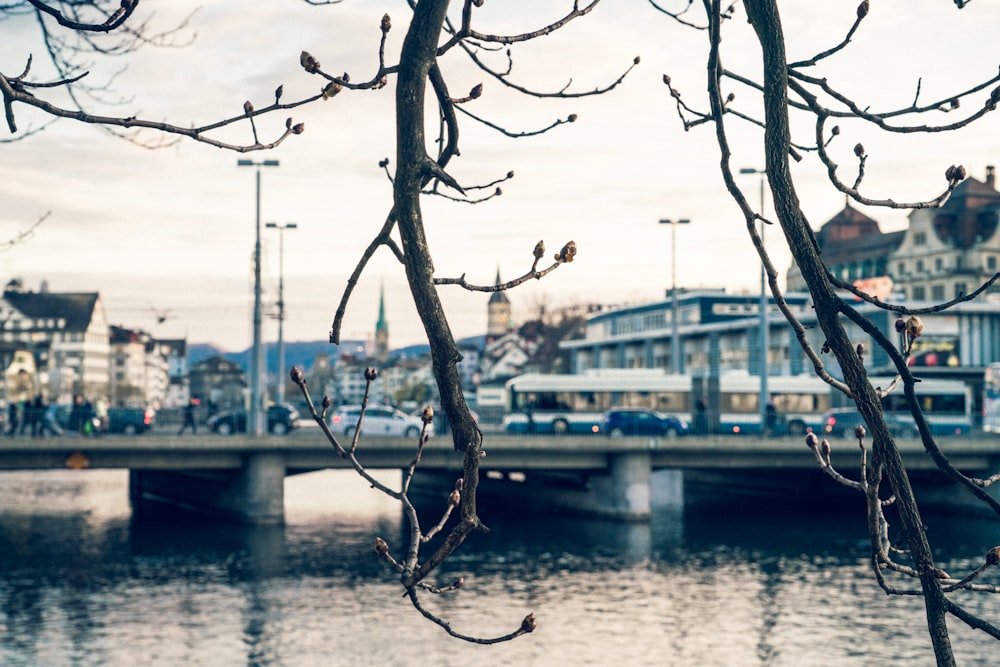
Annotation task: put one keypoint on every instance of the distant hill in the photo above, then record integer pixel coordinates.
(303, 353)
(300, 353)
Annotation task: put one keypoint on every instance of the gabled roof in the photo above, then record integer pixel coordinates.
(851, 235)
(970, 215)
(76, 309)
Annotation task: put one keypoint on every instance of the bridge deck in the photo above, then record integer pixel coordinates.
(306, 449)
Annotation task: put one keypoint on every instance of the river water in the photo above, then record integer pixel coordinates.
(81, 583)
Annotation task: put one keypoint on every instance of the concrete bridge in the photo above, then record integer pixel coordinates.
(242, 477)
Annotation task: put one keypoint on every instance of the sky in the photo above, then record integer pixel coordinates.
(170, 232)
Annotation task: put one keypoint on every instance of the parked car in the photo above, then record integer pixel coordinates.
(841, 422)
(130, 421)
(281, 418)
(379, 420)
(619, 422)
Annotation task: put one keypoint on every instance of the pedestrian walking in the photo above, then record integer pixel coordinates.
(50, 421)
(189, 417)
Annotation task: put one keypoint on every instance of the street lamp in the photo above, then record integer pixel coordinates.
(764, 398)
(281, 304)
(675, 344)
(255, 421)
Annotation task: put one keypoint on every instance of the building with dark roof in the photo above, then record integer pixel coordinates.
(953, 249)
(67, 332)
(853, 248)
(944, 252)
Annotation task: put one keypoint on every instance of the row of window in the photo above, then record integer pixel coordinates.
(867, 269)
(919, 266)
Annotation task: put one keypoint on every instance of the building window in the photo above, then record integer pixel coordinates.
(919, 238)
(920, 266)
(901, 268)
(937, 292)
(991, 262)
(938, 263)
(919, 294)
(960, 290)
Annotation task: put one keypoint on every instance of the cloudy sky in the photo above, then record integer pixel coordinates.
(172, 230)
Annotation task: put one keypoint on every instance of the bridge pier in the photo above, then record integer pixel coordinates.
(253, 494)
(621, 492)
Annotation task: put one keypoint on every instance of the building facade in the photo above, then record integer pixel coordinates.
(67, 333)
(945, 252)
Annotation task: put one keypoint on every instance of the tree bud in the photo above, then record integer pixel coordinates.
(247, 108)
(298, 128)
(914, 326)
(371, 374)
(900, 325)
(863, 9)
(811, 440)
(386, 23)
(278, 92)
(476, 91)
(326, 403)
(824, 448)
(381, 548)
(571, 118)
(427, 415)
(529, 624)
(993, 556)
(859, 150)
(859, 432)
(296, 375)
(539, 251)
(331, 89)
(308, 63)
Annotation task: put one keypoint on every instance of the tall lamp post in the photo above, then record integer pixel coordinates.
(764, 398)
(675, 344)
(281, 304)
(255, 421)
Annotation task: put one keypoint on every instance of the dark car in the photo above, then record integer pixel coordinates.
(620, 422)
(281, 418)
(130, 421)
(841, 422)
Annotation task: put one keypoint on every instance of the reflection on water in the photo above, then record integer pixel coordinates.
(82, 583)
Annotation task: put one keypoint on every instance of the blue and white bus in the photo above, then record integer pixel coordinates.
(557, 404)
(946, 404)
(798, 403)
(991, 398)
(560, 404)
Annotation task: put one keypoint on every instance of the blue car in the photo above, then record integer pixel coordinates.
(620, 422)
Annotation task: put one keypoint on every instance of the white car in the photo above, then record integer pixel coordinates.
(379, 420)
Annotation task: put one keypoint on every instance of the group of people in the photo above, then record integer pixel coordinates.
(36, 418)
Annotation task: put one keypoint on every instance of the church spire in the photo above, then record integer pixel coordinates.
(381, 328)
(498, 313)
